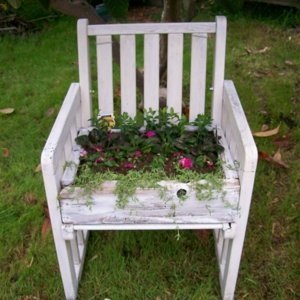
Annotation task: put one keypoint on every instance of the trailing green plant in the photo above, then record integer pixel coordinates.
(127, 184)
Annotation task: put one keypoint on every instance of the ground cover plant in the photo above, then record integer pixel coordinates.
(35, 74)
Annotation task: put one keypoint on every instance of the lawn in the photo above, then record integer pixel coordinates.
(35, 72)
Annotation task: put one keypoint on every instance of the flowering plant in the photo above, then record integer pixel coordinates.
(160, 140)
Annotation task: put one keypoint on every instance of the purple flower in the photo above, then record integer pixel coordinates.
(128, 165)
(150, 134)
(83, 153)
(186, 163)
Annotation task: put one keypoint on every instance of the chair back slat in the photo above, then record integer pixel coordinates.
(128, 74)
(145, 28)
(198, 75)
(219, 69)
(151, 71)
(84, 70)
(174, 73)
(105, 74)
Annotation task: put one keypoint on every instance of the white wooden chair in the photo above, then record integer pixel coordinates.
(71, 234)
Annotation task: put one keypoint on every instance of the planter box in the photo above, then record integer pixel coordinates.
(148, 206)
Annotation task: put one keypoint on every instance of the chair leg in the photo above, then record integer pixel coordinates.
(71, 253)
(231, 256)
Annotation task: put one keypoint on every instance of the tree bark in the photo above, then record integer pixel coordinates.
(171, 13)
(82, 9)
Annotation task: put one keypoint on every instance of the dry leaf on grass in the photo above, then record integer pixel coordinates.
(203, 235)
(38, 169)
(289, 63)
(267, 133)
(263, 50)
(30, 198)
(264, 127)
(5, 152)
(46, 227)
(276, 159)
(257, 51)
(7, 111)
(50, 112)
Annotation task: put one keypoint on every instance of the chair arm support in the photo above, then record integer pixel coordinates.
(69, 112)
(237, 131)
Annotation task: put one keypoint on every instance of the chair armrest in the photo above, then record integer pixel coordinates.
(236, 130)
(63, 131)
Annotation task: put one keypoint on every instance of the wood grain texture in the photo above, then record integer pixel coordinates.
(151, 71)
(105, 74)
(150, 28)
(128, 75)
(219, 68)
(148, 207)
(84, 70)
(174, 73)
(198, 75)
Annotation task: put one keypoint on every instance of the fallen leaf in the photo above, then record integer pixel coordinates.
(263, 50)
(277, 157)
(264, 127)
(7, 111)
(38, 169)
(5, 152)
(46, 227)
(203, 235)
(289, 63)
(248, 50)
(267, 133)
(30, 198)
(259, 51)
(275, 160)
(50, 112)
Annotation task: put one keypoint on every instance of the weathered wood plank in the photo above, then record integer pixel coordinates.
(148, 206)
(174, 73)
(149, 28)
(84, 70)
(236, 130)
(128, 75)
(54, 148)
(151, 71)
(198, 75)
(105, 74)
(219, 69)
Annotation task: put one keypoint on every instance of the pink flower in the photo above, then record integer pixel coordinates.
(137, 153)
(97, 148)
(100, 159)
(83, 153)
(210, 164)
(128, 165)
(150, 134)
(186, 163)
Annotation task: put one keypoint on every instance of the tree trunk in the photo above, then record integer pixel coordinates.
(171, 13)
(82, 9)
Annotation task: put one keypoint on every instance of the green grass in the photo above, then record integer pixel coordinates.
(35, 72)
